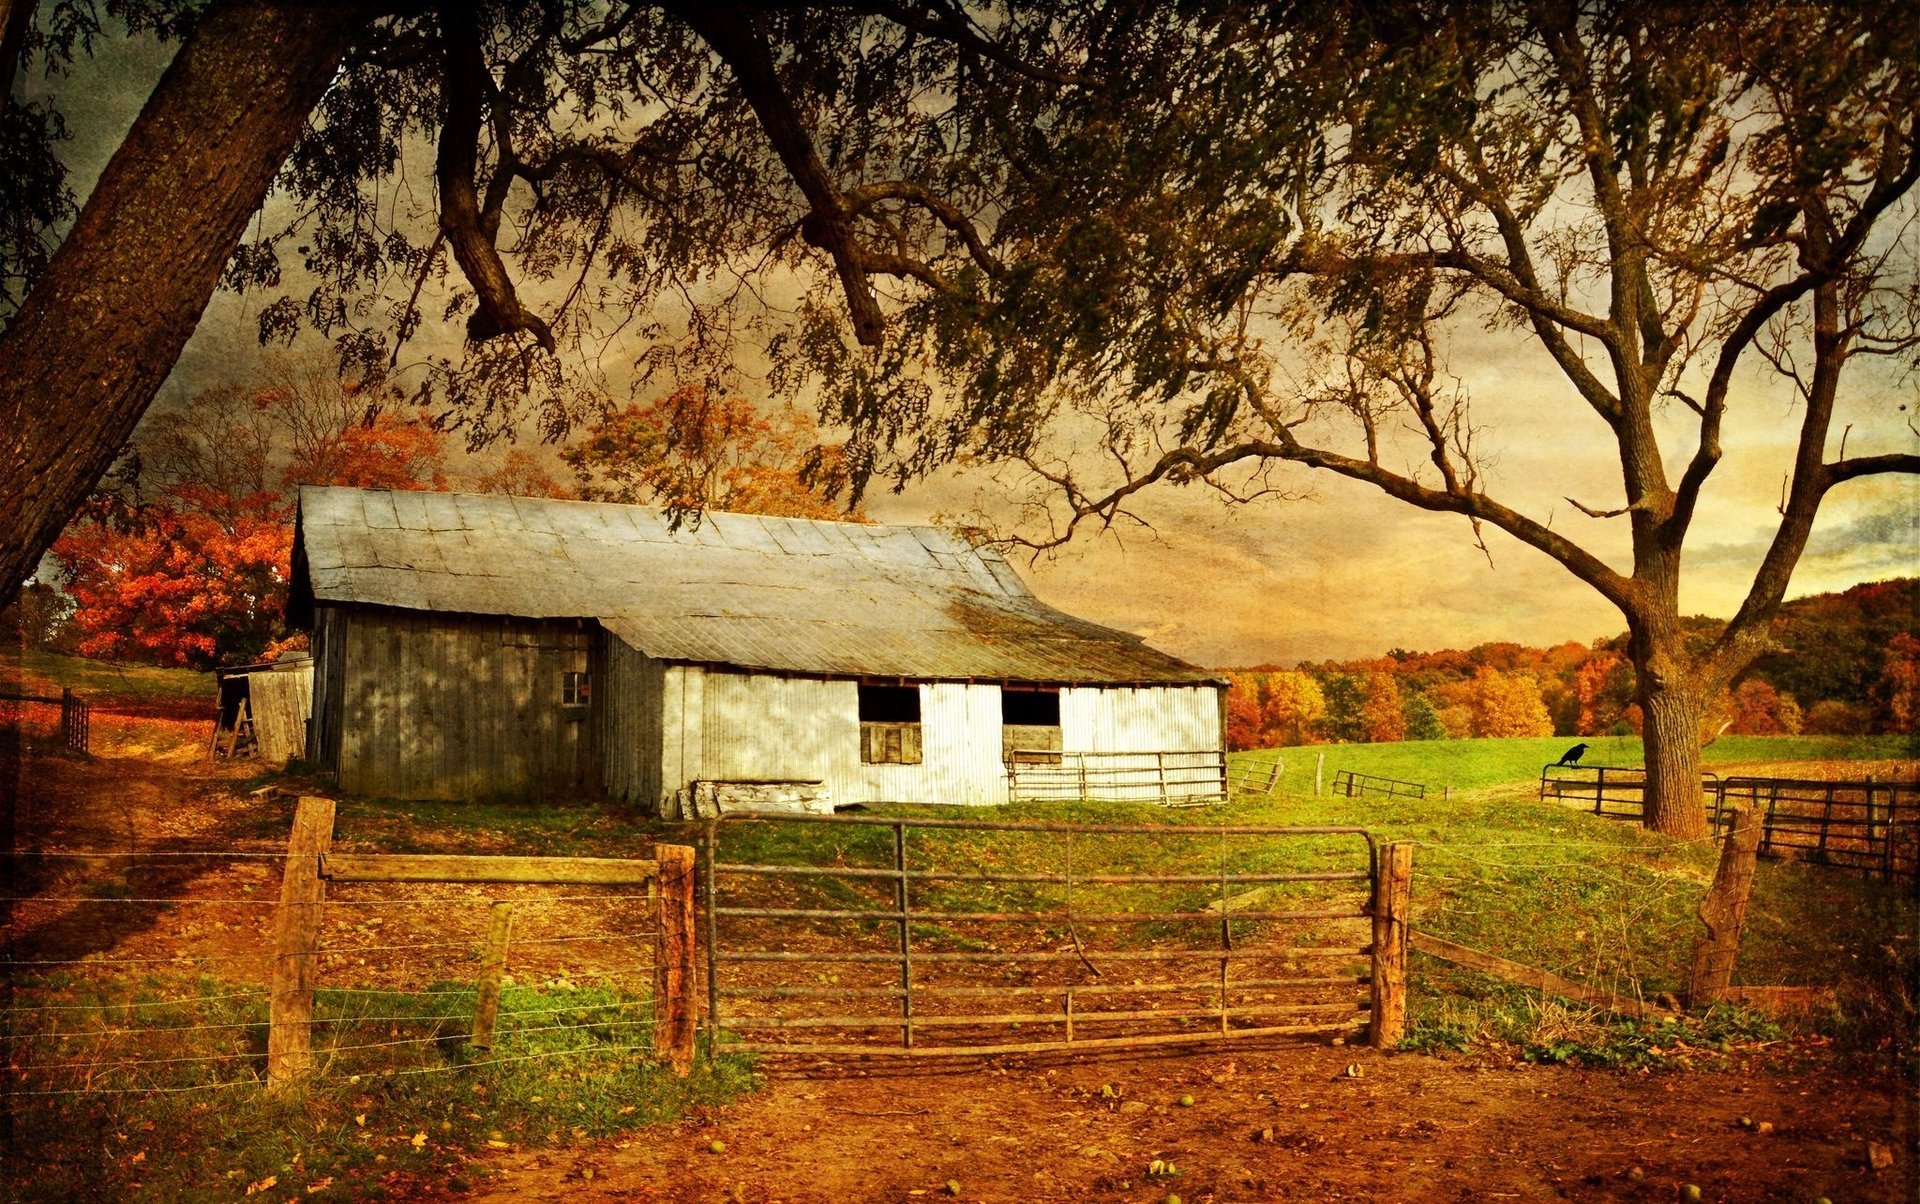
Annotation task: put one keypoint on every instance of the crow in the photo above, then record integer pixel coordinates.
(1572, 755)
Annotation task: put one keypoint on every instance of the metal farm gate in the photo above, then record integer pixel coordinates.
(877, 935)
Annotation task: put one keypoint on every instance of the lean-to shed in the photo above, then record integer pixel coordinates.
(264, 708)
(470, 646)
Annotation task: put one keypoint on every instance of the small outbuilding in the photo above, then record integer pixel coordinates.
(480, 646)
(263, 708)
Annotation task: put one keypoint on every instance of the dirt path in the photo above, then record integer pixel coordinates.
(1275, 1124)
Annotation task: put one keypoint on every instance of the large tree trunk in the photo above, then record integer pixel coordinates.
(1671, 711)
(103, 327)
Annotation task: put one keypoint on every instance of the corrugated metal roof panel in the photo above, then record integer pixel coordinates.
(790, 595)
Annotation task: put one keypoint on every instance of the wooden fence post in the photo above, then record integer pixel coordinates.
(1724, 911)
(296, 939)
(1319, 767)
(493, 964)
(1392, 894)
(674, 975)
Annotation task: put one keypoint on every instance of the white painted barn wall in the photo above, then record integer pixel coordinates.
(1140, 718)
(717, 725)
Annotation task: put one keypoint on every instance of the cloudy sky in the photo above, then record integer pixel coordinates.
(1343, 571)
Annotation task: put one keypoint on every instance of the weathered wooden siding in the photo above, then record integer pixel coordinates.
(1140, 718)
(329, 686)
(633, 693)
(280, 701)
(464, 707)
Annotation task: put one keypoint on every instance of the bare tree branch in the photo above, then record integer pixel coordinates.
(740, 43)
(461, 218)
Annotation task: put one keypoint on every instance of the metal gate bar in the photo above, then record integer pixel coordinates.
(911, 1024)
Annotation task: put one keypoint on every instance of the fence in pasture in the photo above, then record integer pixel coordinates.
(952, 937)
(1358, 785)
(1255, 775)
(76, 715)
(1619, 791)
(1863, 825)
(1173, 778)
(401, 973)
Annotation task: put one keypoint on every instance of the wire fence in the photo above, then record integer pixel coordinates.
(176, 1004)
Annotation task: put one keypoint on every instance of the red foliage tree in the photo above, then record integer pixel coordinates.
(1896, 695)
(1757, 709)
(178, 586)
(184, 560)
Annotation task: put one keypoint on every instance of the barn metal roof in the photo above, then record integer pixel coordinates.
(783, 594)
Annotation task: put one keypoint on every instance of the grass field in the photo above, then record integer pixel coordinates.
(137, 688)
(1471, 764)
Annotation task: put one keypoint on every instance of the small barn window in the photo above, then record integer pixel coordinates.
(890, 725)
(573, 688)
(1030, 725)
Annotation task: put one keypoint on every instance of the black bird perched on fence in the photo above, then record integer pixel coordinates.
(1572, 755)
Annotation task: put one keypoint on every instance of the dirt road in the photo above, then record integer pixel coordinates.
(1283, 1123)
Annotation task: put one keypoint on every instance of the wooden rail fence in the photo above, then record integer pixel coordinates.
(311, 865)
(76, 715)
(1183, 778)
(1256, 775)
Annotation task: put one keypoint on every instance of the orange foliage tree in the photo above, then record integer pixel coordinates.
(1897, 694)
(692, 451)
(183, 559)
(1757, 709)
(1506, 704)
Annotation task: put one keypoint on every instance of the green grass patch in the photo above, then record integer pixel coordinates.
(1552, 1032)
(398, 1105)
(133, 687)
(1474, 764)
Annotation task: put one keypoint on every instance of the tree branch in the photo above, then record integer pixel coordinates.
(1864, 466)
(461, 218)
(743, 46)
(949, 215)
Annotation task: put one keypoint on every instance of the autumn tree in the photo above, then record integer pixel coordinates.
(1667, 206)
(1362, 708)
(1244, 727)
(690, 450)
(520, 473)
(1504, 705)
(1757, 709)
(183, 559)
(1420, 719)
(1293, 707)
(1897, 694)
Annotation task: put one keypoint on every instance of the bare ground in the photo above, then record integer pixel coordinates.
(1279, 1123)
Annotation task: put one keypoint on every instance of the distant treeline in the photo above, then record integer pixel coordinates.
(1843, 664)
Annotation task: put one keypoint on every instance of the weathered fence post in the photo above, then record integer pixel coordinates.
(1319, 767)
(493, 965)
(296, 939)
(674, 977)
(1392, 893)
(1724, 911)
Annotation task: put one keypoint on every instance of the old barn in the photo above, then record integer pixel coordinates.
(470, 646)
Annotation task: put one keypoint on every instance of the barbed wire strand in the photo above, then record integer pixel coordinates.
(88, 853)
(151, 1003)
